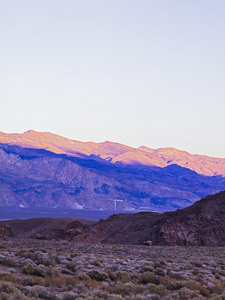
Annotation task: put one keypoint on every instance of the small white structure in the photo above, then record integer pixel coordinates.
(115, 201)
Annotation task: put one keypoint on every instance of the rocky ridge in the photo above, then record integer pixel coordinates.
(117, 153)
(202, 224)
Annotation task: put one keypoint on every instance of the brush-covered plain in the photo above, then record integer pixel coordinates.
(35, 269)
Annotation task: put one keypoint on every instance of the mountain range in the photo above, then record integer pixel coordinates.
(44, 169)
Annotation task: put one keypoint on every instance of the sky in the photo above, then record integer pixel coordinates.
(137, 72)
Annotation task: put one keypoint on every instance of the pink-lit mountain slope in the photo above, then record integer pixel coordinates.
(43, 169)
(117, 153)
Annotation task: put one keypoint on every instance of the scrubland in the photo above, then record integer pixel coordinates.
(35, 269)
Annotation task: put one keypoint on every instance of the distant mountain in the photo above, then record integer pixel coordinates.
(43, 169)
(117, 153)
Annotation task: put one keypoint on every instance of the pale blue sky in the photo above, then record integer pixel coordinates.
(138, 72)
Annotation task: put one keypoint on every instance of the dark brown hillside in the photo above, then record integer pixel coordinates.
(42, 228)
(203, 223)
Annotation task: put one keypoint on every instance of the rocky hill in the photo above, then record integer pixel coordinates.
(43, 228)
(202, 224)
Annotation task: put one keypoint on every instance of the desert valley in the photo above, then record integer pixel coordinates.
(129, 223)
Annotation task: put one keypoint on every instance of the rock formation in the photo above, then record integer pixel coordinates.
(202, 224)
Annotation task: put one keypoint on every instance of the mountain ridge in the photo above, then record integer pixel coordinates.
(117, 153)
(39, 177)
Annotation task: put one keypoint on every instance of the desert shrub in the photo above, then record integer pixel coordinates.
(187, 266)
(169, 260)
(8, 262)
(157, 264)
(97, 263)
(41, 270)
(175, 285)
(9, 291)
(186, 294)
(163, 262)
(42, 258)
(43, 250)
(221, 272)
(7, 277)
(177, 276)
(31, 281)
(114, 268)
(81, 289)
(83, 276)
(101, 295)
(39, 291)
(196, 263)
(66, 282)
(71, 266)
(58, 259)
(46, 261)
(125, 277)
(29, 269)
(149, 278)
(195, 286)
(217, 276)
(4, 296)
(217, 287)
(52, 272)
(69, 296)
(99, 276)
(113, 276)
(120, 276)
(23, 250)
(138, 288)
(65, 271)
(121, 289)
(195, 271)
(157, 289)
(146, 268)
(160, 272)
(220, 297)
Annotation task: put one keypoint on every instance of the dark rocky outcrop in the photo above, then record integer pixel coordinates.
(202, 224)
(43, 228)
